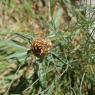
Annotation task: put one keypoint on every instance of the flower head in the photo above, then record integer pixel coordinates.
(41, 47)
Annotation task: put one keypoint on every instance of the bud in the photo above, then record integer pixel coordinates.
(41, 47)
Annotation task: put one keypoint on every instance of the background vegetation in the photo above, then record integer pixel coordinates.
(68, 69)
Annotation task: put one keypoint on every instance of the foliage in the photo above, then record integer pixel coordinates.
(69, 69)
